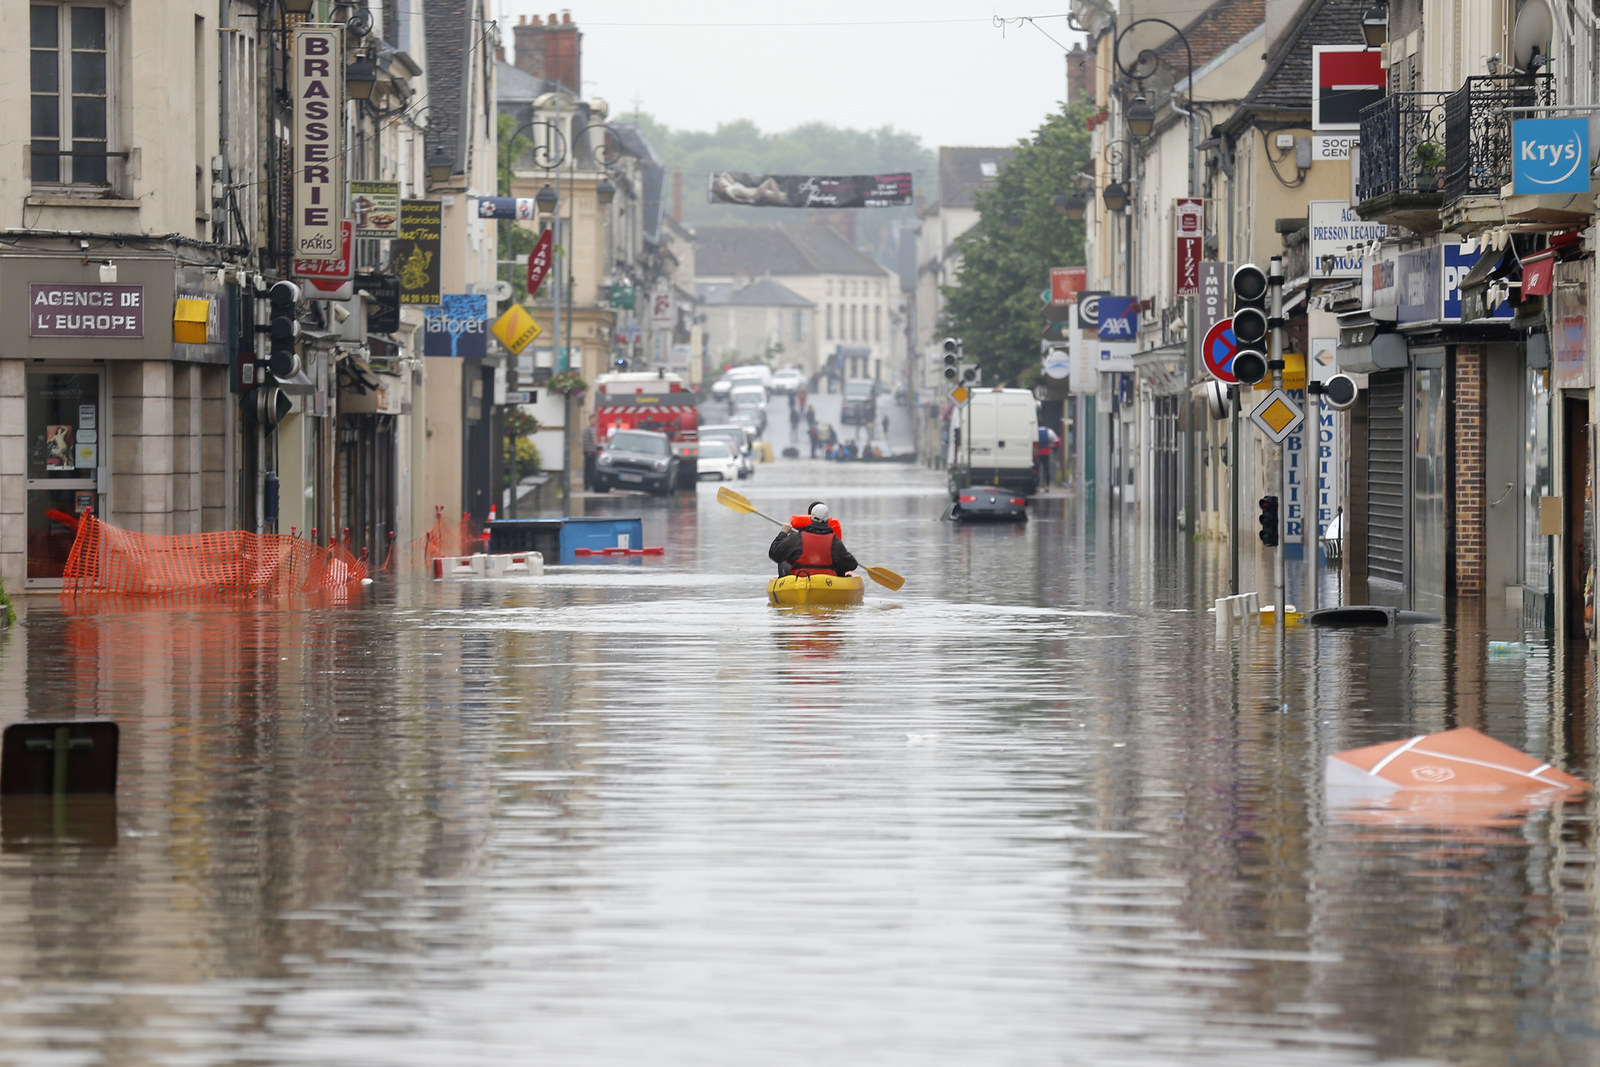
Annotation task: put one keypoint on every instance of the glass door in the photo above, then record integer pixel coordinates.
(64, 461)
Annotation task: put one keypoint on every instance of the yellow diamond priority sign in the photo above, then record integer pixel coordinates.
(959, 394)
(516, 329)
(1277, 416)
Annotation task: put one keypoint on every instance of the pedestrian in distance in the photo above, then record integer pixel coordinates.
(1043, 452)
(816, 438)
(815, 548)
(886, 426)
(800, 398)
(794, 423)
(590, 441)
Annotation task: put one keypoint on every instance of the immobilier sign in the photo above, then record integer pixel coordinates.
(318, 71)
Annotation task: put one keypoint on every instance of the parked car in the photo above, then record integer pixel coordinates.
(721, 388)
(859, 406)
(738, 439)
(789, 380)
(989, 503)
(749, 406)
(718, 460)
(752, 373)
(637, 459)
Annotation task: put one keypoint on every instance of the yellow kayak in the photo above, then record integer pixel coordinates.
(817, 591)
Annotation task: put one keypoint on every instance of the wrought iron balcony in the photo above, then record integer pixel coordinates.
(1477, 130)
(1402, 149)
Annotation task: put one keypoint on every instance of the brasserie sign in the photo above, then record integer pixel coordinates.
(318, 72)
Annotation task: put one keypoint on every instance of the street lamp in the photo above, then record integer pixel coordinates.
(1141, 117)
(605, 192)
(440, 166)
(360, 78)
(546, 199)
(1115, 196)
(1375, 24)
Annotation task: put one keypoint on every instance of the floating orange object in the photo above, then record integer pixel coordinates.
(1457, 777)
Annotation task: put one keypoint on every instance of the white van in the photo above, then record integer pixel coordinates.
(758, 373)
(999, 428)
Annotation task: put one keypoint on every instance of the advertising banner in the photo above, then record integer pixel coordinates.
(807, 190)
(457, 326)
(1550, 155)
(416, 251)
(1569, 325)
(375, 208)
(318, 81)
(1189, 224)
(539, 262)
(663, 316)
(521, 208)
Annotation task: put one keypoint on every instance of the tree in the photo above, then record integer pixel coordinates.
(1006, 258)
(515, 239)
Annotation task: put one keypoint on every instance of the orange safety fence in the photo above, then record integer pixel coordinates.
(460, 538)
(105, 559)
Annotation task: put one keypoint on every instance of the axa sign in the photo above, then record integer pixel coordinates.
(1550, 155)
(1119, 318)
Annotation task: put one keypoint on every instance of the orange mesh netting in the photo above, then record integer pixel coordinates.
(105, 559)
(460, 538)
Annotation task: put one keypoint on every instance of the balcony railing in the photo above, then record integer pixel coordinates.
(1477, 130)
(1402, 147)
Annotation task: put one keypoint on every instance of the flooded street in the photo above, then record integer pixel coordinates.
(1026, 810)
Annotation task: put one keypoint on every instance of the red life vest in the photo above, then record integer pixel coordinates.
(816, 555)
(800, 522)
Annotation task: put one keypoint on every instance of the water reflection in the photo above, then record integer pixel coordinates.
(1025, 810)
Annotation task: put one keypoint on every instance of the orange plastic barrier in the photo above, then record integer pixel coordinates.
(105, 559)
(460, 538)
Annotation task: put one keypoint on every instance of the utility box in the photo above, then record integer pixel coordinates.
(558, 539)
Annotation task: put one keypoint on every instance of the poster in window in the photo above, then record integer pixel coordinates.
(59, 453)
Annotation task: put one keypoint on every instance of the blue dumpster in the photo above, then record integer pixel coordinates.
(558, 539)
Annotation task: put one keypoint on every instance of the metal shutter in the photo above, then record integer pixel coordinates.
(1386, 477)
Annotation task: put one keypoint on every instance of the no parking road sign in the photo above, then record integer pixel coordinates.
(1217, 351)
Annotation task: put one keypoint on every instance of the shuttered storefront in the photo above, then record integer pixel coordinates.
(1386, 477)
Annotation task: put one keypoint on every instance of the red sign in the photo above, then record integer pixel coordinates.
(1217, 351)
(1190, 221)
(539, 263)
(1066, 283)
(1538, 274)
(341, 269)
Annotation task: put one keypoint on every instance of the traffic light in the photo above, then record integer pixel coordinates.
(952, 359)
(1250, 325)
(283, 329)
(1269, 521)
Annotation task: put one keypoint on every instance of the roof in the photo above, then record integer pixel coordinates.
(963, 171)
(777, 250)
(513, 85)
(1285, 85)
(768, 293)
(449, 32)
(1217, 29)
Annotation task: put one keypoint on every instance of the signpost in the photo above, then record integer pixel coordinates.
(1217, 352)
(1550, 155)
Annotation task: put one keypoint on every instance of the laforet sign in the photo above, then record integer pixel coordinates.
(416, 251)
(318, 81)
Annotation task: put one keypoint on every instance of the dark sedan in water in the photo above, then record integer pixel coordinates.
(989, 503)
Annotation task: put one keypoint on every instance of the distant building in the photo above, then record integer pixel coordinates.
(1080, 74)
(762, 322)
(858, 298)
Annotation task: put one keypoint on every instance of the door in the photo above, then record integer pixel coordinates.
(1387, 452)
(1576, 490)
(64, 442)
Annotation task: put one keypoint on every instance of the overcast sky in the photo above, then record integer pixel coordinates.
(939, 69)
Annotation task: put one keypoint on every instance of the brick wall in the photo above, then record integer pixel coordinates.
(1469, 458)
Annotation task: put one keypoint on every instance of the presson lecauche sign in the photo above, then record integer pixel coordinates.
(318, 70)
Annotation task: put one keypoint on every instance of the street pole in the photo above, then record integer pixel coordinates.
(1275, 364)
(1235, 397)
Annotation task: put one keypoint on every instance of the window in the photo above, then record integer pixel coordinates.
(799, 325)
(829, 333)
(852, 322)
(877, 322)
(68, 75)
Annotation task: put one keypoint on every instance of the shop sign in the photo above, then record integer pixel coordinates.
(1459, 259)
(1214, 278)
(1066, 283)
(318, 81)
(383, 316)
(1550, 155)
(1569, 325)
(416, 251)
(662, 314)
(63, 309)
(457, 326)
(375, 208)
(1419, 274)
(1333, 147)
(1334, 228)
(330, 279)
(1118, 319)
(1344, 79)
(1189, 221)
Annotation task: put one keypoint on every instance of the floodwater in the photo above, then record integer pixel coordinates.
(1026, 810)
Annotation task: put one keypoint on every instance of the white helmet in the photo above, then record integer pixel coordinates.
(819, 513)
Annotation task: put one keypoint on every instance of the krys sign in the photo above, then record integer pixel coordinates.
(1550, 155)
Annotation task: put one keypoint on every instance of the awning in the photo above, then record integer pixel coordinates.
(1163, 368)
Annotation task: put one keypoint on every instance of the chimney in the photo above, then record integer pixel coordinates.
(528, 39)
(677, 194)
(551, 49)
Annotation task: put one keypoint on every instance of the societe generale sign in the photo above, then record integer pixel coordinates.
(318, 74)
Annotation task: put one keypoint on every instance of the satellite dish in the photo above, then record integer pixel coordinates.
(1535, 26)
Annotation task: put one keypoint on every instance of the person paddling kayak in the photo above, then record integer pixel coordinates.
(815, 548)
(800, 522)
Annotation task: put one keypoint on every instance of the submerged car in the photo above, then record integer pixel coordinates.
(989, 503)
(637, 459)
(721, 388)
(738, 439)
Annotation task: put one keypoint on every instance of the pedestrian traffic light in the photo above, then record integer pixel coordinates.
(952, 359)
(1250, 324)
(1269, 521)
(283, 329)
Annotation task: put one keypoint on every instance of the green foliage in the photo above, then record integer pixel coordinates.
(521, 454)
(568, 382)
(814, 148)
(994, 305)
(8, 614)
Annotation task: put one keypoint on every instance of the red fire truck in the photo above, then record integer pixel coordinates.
(637, 400)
